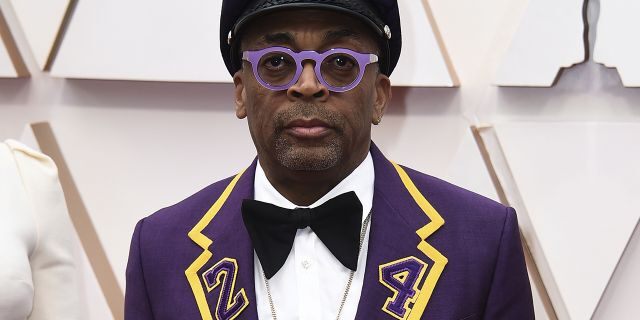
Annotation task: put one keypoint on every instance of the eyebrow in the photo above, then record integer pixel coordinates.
(278, 38)
(334, 35)
(288, 38)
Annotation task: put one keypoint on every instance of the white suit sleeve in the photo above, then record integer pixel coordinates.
(54, 277)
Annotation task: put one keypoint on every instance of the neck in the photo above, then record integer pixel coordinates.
(303, 188)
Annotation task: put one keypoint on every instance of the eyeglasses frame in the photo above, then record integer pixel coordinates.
(363, 60)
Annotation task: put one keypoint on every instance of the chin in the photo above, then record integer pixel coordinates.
(308, 158)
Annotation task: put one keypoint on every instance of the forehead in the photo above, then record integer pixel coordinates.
(308, 29)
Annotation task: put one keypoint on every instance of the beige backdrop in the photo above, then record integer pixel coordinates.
(134, 147)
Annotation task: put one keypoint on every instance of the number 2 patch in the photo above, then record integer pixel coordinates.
(224, 273)
(403, 278)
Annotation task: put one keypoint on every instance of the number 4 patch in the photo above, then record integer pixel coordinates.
(403, 278)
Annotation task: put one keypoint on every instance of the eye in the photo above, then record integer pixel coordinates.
(342, 62)
(275, 62)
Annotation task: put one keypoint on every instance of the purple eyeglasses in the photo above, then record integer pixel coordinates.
(279, 68)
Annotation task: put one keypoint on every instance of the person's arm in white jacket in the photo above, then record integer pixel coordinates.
(38, 276)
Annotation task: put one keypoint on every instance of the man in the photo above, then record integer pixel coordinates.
(321, 225)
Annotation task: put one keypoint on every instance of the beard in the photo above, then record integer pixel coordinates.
(312, 155)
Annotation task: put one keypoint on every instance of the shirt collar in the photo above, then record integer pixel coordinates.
(361, 181)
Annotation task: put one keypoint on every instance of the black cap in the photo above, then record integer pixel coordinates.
(381, 15)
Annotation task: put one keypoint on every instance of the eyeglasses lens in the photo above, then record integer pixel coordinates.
(277, 68)
(339, 69)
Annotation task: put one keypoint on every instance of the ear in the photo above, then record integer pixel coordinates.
(240, 95)
(383, 96)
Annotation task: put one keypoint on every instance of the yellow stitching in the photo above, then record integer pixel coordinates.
(385, 307)
(439, 260)
(196, 235)
(230, 303)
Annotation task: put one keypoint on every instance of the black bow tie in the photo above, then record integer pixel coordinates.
(272, 229)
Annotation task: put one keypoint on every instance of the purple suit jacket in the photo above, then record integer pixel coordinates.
(436, 251)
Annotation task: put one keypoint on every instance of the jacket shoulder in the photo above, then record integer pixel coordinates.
(456, 203)
(479, 238)
(186, 213)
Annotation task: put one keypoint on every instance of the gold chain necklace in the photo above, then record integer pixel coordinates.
(363, 232)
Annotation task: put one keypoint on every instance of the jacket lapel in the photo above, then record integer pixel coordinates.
(398, 266)
(401, 272)
(222, 276)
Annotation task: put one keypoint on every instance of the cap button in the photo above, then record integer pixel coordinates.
(387, 32)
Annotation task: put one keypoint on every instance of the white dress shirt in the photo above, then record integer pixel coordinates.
(311, 283)
(38, 276)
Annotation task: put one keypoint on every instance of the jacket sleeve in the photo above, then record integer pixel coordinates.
(51, 271)
(136, 301)
(510, 293)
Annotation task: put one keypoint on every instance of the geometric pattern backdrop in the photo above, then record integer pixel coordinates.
(7, 68)
(142, 40)
(11, 63)
(576, 183)
(42, 24)
(617, 25)
(550, 37)
(178, 41)
(580, 188)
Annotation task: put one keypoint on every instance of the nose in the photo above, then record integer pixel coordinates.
(308, 86)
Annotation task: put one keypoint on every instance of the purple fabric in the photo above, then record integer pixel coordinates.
(161, 251)
(485, 277)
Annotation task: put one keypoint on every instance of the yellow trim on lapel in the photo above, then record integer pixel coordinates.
(439, 260)
(196, 235)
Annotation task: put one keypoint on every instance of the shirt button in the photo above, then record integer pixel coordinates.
(306, 264)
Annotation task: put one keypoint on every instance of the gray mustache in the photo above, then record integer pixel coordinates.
(308, 110)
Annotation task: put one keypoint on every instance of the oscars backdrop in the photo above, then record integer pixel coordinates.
(532, 103)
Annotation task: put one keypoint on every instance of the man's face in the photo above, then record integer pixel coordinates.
(308, 127)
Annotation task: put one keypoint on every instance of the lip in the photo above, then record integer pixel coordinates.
(307, 128)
